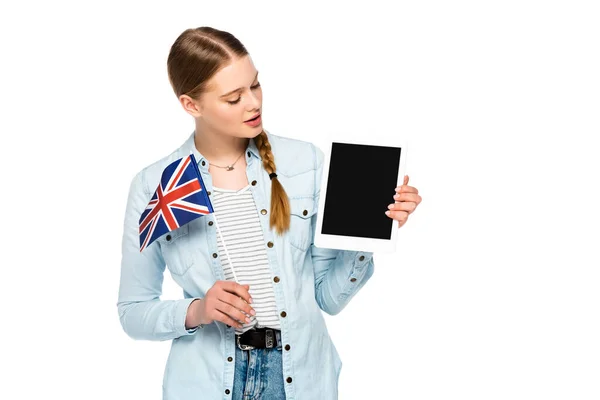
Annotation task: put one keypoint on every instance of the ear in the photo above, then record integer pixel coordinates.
(190, 106)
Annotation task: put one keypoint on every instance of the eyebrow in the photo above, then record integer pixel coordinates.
(238, 89)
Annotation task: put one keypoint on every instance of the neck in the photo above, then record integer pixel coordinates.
(219, 148)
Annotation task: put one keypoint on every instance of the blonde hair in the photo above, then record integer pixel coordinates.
(195, 57)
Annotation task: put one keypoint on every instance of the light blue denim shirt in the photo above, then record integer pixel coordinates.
(201, 360)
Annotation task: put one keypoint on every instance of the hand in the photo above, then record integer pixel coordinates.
(407, 199)
(225, 301)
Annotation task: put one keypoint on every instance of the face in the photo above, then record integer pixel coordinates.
(234, 96)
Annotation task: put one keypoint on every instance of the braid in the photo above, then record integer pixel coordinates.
(280, 206)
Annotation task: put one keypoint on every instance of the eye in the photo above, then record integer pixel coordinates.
(239, 98)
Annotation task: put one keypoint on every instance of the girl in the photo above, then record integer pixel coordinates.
(250, 324)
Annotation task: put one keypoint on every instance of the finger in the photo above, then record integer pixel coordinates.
(236, 299)
(397, 215)
(238, 303)
(240, 290)
(231, 311)
(405, 179)
(407, 197)
(219, 316)
(407, 189)
(407, 206)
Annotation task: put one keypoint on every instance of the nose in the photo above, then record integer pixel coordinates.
(253, 101)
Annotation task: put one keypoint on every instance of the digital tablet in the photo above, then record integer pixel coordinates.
(358, 183)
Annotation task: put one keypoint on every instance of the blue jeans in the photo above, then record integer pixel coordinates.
(258, 374)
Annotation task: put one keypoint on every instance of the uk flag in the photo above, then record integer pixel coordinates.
(179, 198)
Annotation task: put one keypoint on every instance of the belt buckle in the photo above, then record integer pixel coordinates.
(269, 338)
(243, 346)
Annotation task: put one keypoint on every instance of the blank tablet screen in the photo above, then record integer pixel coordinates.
(361, 184)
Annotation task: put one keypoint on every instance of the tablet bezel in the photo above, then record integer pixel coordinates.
(353, 242)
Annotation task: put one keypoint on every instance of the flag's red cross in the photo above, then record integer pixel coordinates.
(172, 197)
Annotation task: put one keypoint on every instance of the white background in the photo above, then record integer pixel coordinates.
(494, 290)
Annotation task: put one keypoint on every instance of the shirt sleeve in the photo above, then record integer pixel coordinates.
(339, 274)
(141, 312)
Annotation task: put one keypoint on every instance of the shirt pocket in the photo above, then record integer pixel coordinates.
(301, 211)
(176, 250)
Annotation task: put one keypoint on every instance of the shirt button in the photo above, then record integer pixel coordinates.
(304, 212)
(361, 258)
(214, 255)
(352, 279)
(168, 237)
(263, 211)
(203, 163)
(289, 379)
(283, 314)
(270, 244)
(210, 223)
(253, 183)
(230, 359)
(276, 279)
(287, 347)
(208, 192)
(227, 391)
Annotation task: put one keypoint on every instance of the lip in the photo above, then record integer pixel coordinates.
(255, 115)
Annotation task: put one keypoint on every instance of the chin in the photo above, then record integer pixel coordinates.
(254, 132)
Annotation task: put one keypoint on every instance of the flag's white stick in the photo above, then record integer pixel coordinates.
(230, 263)
(223, 241)
(225, 247)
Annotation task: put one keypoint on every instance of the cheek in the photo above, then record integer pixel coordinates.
(225, 115)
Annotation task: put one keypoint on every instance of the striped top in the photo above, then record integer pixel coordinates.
(237, 220)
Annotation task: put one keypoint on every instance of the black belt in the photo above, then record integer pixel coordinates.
(261, 338)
